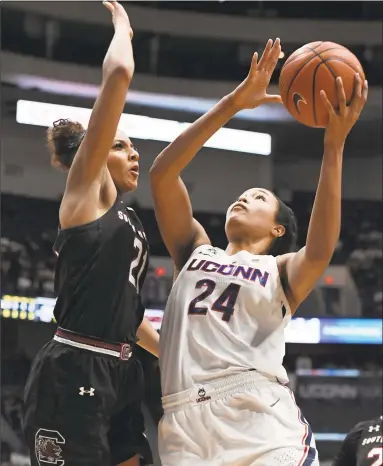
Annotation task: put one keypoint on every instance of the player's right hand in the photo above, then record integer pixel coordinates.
(252, 92)
(341, 120)
(119, 14)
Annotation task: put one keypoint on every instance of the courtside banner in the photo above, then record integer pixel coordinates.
(299, 330)
(336, 403)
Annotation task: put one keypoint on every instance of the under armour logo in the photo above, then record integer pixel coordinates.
(374, 428)
(89, 392)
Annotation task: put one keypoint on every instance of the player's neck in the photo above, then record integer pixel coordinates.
(254, 247)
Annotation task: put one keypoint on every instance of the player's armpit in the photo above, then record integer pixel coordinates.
(300, 275)
(180, 232)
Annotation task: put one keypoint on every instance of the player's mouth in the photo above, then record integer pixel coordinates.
(135, 169)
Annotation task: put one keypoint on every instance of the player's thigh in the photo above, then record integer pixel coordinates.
(127, 438)
(293, 440)
(64, 433)
(187, 437)
(66, 416)
(60, 443)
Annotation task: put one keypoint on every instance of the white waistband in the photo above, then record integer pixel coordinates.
(215, 390)
(84, 346)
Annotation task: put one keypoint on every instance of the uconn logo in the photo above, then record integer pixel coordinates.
(202, 396)
(229, 270)
(125, 218)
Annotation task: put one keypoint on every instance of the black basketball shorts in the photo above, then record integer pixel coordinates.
(84, 409)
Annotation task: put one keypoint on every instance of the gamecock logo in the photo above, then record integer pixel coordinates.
(47, 447)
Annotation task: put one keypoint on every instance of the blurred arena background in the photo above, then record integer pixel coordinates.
(188, 54)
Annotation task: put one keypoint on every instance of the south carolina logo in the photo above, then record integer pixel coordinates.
(47, 447)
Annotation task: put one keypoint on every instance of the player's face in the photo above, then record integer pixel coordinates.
(253, 216)
(123, 163)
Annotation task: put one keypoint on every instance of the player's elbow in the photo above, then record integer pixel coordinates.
(157, 174)
(119, 72)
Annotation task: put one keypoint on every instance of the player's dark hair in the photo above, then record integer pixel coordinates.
(64, 138)
(288, 242)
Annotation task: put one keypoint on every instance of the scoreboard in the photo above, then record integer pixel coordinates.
(22, 308)
(299, 330)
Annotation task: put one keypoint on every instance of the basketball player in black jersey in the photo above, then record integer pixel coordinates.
(83, 395)
(362, 445)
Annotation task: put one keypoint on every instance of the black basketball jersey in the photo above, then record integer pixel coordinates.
(100, 270)
(363, 445)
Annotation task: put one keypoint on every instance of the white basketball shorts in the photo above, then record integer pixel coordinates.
(243, 420)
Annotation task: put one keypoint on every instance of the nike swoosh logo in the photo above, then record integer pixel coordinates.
(275, 402)
(297, 99)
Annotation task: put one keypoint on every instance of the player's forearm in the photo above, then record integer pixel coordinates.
(325, 221)
(119, 57)
(172, 160)
(148, 338)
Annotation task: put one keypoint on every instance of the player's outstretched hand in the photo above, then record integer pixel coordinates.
(252, 92)
(119, 14)
(343, 119)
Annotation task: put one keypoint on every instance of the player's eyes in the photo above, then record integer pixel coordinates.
(260, 196)
(118, 145)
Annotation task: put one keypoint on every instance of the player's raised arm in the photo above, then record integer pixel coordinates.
(180, 232)
(88, 170)
(306, 266)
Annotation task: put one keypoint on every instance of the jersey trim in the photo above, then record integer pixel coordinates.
(309, 452)
(195, 251)
(283, 296)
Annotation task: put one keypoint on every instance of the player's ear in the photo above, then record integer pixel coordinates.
(278, 231)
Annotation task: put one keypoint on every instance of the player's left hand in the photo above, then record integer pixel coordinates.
(343, 119)
(252, 92)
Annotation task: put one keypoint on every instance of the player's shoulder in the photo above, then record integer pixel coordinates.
(207, 250)
(366, 426)
(370, 423)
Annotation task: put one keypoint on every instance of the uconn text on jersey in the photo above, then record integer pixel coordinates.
(232, 270)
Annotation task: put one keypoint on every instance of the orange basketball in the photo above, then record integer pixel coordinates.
(310, 69)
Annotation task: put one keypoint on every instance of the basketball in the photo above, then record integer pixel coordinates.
(310, 69)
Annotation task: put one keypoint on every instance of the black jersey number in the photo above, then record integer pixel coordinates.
(138, 263)
(224, 303)
(378, 454)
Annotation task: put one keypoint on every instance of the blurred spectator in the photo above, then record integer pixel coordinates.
(5, 455)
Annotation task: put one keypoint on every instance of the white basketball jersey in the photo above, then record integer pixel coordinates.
(225, 314)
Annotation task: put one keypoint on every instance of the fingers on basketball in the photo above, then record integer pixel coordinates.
(341, 96)
(327, 103)
(274, 99)
(360, 94)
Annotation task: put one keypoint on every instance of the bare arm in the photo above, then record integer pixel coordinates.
(180, 231)
(306, 266)
(88, 170)
(148, 338)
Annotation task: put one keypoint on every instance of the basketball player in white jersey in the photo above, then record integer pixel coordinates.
(222, 339)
